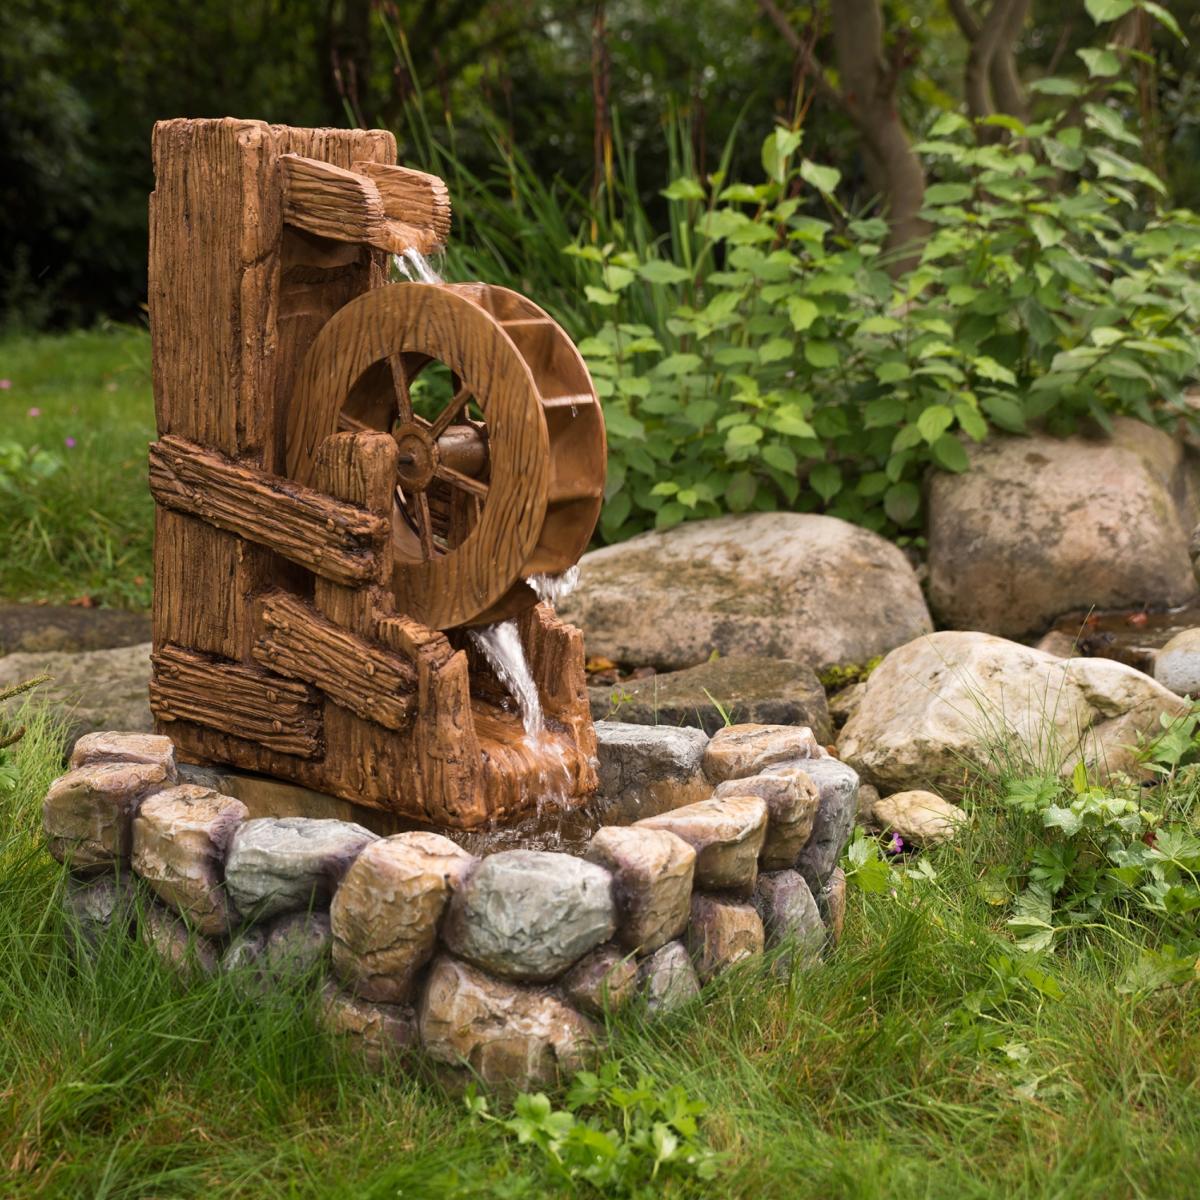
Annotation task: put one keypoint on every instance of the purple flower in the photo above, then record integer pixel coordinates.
(69, 442)
(5, 384)
(34, 412)
(896, 844)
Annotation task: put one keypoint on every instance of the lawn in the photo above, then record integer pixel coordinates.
(927, 1058)
(76, 519)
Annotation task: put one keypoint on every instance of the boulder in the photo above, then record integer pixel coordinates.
(920, 818)
(767, 691)
(727, 835)
(88, 812)
(102, 689)
(385, 914)
(376, 1033)
(792, 801)
(290, 864)
(282, 953)
(96, 909)
(530, 914)
(981, 697)
(109, 746)
(721, 933)
(601, 982)
(181, 950)
(868, 797)
(798, 586)
(652, 872)
(180, 838)
(1177, 664)
(789, 913)
(647, 769)
(510, 1036)
(742, 750)
(837, 786)
(842, 704)
(1042, 525)
(47, 628)
(667, 979)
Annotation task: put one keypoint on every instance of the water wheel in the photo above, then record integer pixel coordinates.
(500, 477)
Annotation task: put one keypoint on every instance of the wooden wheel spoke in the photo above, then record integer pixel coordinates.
(349, 424)
(446, 416)
(426, 530)
(403, 398)
(464, 483)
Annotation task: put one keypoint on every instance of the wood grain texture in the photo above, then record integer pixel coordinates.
(413, 197)
(298, 642)
(337, 540)
(450, 763)
(279, 714)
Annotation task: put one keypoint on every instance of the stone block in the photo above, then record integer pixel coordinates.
(792, 800)
(837, 784)
(376, 1033)
(601, 982)
(386, 913)
(667, 979)
(95, 909)
(183, 951)
(789, 913)
(647, 769)
(110, 746)
(652, 872)
(738, 751)
(722, 932)
(727, 835)
(285, 951)
(920, 818)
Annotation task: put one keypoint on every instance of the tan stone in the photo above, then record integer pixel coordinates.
(110, 746)
(510, 1035)
(183, 951)
(377, 1033)
(721, 933)
(180, 838)
(738, 751)
(792, 801)
(920, 818)
(385, 913)
(727, 835)
(832, 903)
(652, 873)
(601, 982)
(88, 813)
(868, 797)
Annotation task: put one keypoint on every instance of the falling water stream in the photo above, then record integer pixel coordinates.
(414, 266)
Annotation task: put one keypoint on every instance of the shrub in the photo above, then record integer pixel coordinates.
(771, 359)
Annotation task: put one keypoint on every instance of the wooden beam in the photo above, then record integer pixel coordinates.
(413, 197)
(338, 541)
(300, 643)
(347, 207)
(277, 713)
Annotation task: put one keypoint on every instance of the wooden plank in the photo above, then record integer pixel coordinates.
(338, 541)
(277, 713)
(413, 197)
(298, 642)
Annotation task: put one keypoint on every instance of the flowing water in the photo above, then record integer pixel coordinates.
(555, 588)
(414, 266)
(501, 646)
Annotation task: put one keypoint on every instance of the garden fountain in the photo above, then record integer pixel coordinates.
(355, 579)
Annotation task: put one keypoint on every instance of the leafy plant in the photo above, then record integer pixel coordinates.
(621, 1140)
(771, 360)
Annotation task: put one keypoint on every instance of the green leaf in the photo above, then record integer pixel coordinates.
(780, 457)
(683, 188)
(659, 271)
(1056, 85)
(1102, 63)
(826, 481)
(775, 350)
(934, 421)
(743, 192)
(1005, 412)
(779, 146)
(600, 296)
(961, 293)
(802, 313)
(618, 423)
(678, 364)
(1046, 232)
(989, 368)
(949, 454)
(947, 193)
(901, 502)
(880, 325)
(821, 354)
(618, 278)
(892, 372)
(740, 491)
(824, 179)
(1157, 10)
(1107, 10)
(744, 435)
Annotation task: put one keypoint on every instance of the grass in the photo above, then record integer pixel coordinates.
(76, 521)
(919, 1061)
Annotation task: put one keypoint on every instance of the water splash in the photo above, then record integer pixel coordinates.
(501, 646)
(555, 588)
(414, 266)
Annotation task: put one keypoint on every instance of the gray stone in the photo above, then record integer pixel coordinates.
(378, 1034)
(288, 864)
(797, 586)
(943, 708)
(47, 628)
(1177, 664)
(282, 953)
(102, 689)
(727, 835)
(88, 813)
(647, 769)
(1041, 526)
(96, 909)
(790, 914)
(652, 872)
(387, 910)
(530, 914)
(668, 980)
(767, 691)
(111, 746)
(739, 751)
(181, 950)
(510, 1036)
(601, 982)
(843, 704)
(920, 818)
(792, 800)
(837, 783)
(180, 838)
(722, 933)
